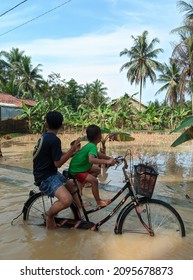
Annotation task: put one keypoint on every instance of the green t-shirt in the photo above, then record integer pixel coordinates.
(80, 161)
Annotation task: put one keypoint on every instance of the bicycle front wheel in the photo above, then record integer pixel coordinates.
(36, 206)
(151, 216)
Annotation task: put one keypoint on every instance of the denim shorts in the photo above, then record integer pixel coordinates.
(52, 183)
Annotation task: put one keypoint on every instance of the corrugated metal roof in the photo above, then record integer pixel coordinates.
(29, 102)
(9, 100)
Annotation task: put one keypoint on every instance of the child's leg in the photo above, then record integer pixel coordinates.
(95, 190)
(95, 170)
(73, 190)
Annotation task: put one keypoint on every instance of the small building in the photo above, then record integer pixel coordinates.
(10, 109)
(135, 102)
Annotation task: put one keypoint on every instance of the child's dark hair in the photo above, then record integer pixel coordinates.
(54, 119)
(92, 132)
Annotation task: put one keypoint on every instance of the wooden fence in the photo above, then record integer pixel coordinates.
(11, 126)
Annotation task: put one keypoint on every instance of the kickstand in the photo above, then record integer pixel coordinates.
(12, 222)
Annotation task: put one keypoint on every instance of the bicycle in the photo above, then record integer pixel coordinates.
(142, 214)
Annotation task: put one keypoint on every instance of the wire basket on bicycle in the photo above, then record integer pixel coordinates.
(145, 177)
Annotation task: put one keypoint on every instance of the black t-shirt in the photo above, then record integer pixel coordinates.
(47, 150)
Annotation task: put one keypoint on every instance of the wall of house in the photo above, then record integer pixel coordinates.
(8, 112)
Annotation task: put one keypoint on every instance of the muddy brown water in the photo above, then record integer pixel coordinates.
(174, 185)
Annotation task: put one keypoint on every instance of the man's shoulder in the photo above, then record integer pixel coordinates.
(51, 136)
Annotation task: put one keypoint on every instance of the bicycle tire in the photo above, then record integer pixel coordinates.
(158, 215)
(35, 207)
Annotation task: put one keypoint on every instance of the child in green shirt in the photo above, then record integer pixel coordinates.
(82, 166)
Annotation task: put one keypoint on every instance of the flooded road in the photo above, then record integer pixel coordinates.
(19, 241)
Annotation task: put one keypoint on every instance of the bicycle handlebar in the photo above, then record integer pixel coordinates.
(120, 160)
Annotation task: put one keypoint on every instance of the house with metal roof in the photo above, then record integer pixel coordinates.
(10, 109)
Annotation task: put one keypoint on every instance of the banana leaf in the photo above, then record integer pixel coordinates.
(185, 136)
(120, 136)
(105, 130)
(187, 122)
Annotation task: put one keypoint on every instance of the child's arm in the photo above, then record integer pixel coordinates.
(103, 156)
(108, 160)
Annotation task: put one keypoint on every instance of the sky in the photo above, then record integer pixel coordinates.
(82, 39)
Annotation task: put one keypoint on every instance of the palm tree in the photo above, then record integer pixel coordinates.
(12, 58)
(187, 8)
(30, 80)
(8, 86)
(183, 52)
(99, 92)
(170, 77)
(95, 95)
(142, 64)
(12, 61)
(74, 94)
(188, 18)
(17, 68)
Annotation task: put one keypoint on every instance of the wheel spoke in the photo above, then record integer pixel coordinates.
(156, 215)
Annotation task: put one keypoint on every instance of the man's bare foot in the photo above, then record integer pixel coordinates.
(103, 203)
(50, 222)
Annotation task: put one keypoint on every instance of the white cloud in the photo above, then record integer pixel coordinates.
(92, 56)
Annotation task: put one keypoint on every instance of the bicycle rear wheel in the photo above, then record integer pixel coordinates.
(35, 207)
(151, 216)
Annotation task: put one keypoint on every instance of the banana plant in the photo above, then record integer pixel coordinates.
(187, 134)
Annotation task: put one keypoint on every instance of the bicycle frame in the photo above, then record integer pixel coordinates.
(113, 212)
(130, 194)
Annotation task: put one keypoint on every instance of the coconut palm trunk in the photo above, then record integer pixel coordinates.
(140, 93)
